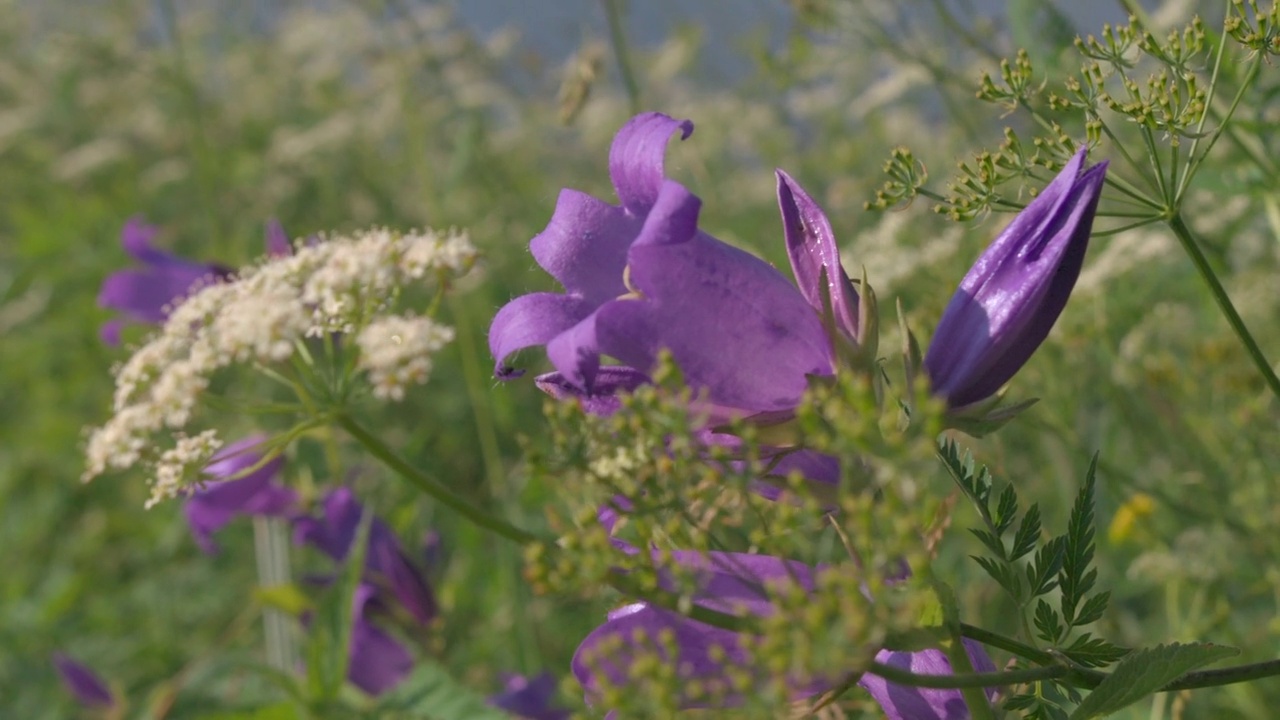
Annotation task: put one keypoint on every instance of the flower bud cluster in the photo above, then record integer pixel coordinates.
(261, 316)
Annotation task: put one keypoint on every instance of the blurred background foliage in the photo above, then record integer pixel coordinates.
(211, 118)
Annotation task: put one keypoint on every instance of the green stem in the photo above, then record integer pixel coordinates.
(1189, 245)
(1194, 161)
(1225, 676)
(960, 681)
(618, 39)
(433, 487)
(1008, 644)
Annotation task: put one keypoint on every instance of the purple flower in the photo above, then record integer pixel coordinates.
(378, 662)
(641, 277)
(386, 564)
(221, 499)
(84, 684)
(1013, 294)
(736, 583)
(530, 698)
(144, 295)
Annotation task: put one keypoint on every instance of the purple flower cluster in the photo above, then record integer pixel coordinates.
(641, 277)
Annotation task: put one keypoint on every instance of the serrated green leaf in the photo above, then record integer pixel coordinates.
(1048, 622)
(1024, 541)
(1076, 578)
(1006, 509)
(1143, 672)
(1092, 609)
(1002, 574)
(991, 541)
(431, 692)
(1094, 652)
(1042, 573)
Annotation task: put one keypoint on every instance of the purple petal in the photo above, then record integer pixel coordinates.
(604, 398)
(530, 698)
(378, 661)
(529, 320)
(84, 684)
(277, 240)
(403, 579)
(900, 702)
(585, 246)
(1010, 298)
(733, 323)
(811, 245)
(211, 507)
(136, 237)
(731, 583)
(110, 331)
(144, 295)
(636, 158)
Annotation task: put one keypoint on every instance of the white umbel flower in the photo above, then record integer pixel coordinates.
(396, 352)
(340, 284)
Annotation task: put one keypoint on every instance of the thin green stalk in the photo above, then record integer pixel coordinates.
(960, 681)
(1195, 160)
(1192, 248)
(433, 487)
(618, 39)
(1225, 676)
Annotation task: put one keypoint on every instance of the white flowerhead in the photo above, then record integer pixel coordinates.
(262, 316)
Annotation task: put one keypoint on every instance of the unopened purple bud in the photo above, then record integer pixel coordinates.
(1014, 293)
(84, 684)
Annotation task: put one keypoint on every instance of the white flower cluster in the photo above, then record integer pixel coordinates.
(396, 351)
(186, 457)
(339, 284)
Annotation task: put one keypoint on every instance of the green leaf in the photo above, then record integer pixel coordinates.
(1144, 672)
(991, 541)
(1006, 509)
(1024, 541)
(1077, 579)
(329, 639)
(1003, 575)
(1042, 573)
(1048, 622)
(1094, 652)
(1092, 609)
(430, 692)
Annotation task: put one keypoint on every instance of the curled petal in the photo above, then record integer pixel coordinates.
(530, 320)
(136, 237)
(575, 353)
(636, 158)
(811, 245)
(530, 698)
(585, 246)
(277, 240)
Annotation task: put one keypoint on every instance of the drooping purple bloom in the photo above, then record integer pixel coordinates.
(735, 583)
(225, 496)
(815, 257)
(378, 662)
(83, 683)
(530, 698)
(386, 564)
(144, 294)
(642, 278)
(1013, 294)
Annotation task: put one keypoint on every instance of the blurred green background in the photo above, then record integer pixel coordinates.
(211, 118)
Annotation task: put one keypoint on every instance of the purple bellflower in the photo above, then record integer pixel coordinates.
(144, 295)
(386, 565)
(84, 684)
(224, 495)
(736, 583)
(530, 698)
(1013, 294)
(378, 662)
(641, 277)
